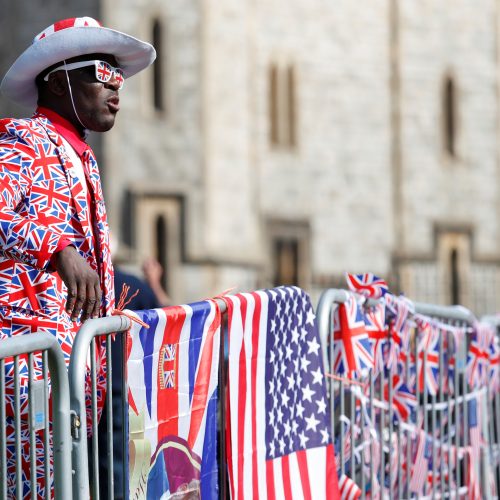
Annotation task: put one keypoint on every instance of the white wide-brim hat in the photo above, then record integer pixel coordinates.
(71, 38)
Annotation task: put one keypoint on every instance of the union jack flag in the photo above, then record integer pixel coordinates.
(353, 353)
(367, 284)
(398, 310)
(428, 357)
(378, 333)
(479, 354)
(494, 376)
(402, 400)
(104, 71)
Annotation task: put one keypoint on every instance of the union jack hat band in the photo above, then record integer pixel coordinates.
(71, 38)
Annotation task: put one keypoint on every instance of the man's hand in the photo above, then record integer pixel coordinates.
(84, 291)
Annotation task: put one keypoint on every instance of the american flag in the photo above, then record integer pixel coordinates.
(367, 284)
(349, 490)
(279, 443)
(420, 462)
(353, 351)
(172, 377)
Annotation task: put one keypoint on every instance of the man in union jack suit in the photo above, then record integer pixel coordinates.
(55, 265)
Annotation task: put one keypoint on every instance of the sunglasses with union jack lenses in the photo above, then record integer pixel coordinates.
(103, 71)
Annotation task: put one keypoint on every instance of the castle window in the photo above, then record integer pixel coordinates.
(449, 117)
(282, 106)
(161, 247)
(158, 75)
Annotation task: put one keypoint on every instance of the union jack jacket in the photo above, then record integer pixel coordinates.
(43, 201)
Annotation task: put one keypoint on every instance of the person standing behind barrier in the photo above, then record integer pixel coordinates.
(55, 261)
(151, 295)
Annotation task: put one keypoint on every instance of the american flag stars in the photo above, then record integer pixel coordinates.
(296, 395)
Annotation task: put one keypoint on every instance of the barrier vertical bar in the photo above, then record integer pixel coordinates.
(31, 420)
(46, 439)
(222, 399)
(3, 437)
(449, 439)
(391, 416)
(90, 329)
(381, 430)
(372, 418)
(95, 439)
(125, 430)
(17, 426)
(109, 418)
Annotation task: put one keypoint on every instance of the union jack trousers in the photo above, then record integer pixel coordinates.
(42, 202)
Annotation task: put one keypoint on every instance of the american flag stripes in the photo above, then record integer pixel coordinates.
(279, 443)
(349, 490)
(420, 462)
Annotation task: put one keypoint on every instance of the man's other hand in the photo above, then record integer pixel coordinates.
(84, 291)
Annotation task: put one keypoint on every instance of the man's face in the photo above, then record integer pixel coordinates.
(96, 103)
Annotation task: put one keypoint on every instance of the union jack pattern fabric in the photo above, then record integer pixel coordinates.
(478, 358)
(403, 401)
(378, 334)
(428, 356)
(367, 284)
(494, 376)
(398, 310)
(41, 202)
(353, 352)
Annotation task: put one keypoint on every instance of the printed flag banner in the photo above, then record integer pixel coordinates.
(278, 427)
(172, 377)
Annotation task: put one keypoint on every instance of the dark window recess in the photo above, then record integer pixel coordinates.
(158, 80)
(273, 106)
(449, 114)
(454, 278)
(286, 264)
(161, 248)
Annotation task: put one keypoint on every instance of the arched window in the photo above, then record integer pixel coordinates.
(158, 80)
(454, 277)
(449, 116)
(161, 247)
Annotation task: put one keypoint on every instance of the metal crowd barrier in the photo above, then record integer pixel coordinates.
(83, 348)
(38, 414)
(442, 417)
(494, 410)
